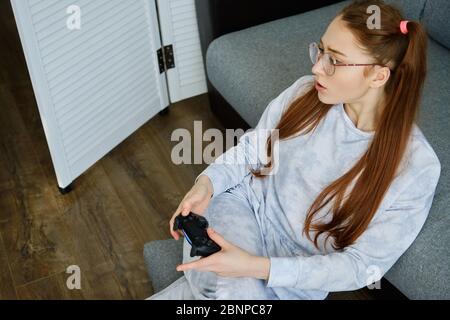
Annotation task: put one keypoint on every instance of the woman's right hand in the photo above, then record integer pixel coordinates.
(196, 201)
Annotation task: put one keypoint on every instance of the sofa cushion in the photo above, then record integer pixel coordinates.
(436, 20)
(161, 258)
(411, 9)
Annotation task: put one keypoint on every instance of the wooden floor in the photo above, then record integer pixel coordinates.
(119, 204)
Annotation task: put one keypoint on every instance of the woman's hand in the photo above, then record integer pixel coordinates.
(231, 261)
(196, 200)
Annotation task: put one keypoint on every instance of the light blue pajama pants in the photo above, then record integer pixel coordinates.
(231, 216)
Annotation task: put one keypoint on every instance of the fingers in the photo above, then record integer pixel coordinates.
(184, 208)
(201, 264)
(217, 238)
(174, 233)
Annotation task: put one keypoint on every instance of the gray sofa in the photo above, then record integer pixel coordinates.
(252, 66)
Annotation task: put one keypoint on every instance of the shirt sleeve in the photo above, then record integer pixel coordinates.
(230, 168)
(388, 236)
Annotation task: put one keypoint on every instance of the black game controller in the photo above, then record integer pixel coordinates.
(194, 228)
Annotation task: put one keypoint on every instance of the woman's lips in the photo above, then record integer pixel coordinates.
(319, 86)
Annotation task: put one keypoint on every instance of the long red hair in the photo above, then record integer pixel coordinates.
(376, 169)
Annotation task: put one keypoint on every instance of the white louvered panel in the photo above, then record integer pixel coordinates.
(93, 100)
(94, 86)
(179, 28)
(94, 28)
(69, 97)
(47, 16)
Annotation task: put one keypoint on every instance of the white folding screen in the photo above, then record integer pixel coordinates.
(96, 85)
(178, 22)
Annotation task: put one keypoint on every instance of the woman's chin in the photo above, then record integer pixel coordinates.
(324, 99)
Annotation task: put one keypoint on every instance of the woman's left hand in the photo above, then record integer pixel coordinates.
(231, 261)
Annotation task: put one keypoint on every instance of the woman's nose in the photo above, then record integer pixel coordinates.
(318, 68)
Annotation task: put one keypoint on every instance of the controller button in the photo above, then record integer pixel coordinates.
(202, 240)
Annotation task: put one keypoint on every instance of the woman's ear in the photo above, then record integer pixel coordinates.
(381, 76)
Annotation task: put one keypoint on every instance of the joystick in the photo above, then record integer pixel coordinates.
(194, 228)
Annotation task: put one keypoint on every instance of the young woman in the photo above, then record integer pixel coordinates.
(347, 190)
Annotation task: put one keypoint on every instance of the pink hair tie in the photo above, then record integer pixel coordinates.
(403, 26)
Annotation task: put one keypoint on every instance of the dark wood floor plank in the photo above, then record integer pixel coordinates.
(11, 53)
(37, 245)
(103, 232)
(146, 185)
(7, 290)
(6, 183)
(35, 237)
(50, 288)
(100, 283)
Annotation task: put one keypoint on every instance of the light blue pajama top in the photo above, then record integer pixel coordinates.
(306, 165)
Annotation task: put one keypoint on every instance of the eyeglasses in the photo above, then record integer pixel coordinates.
(328, 62)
